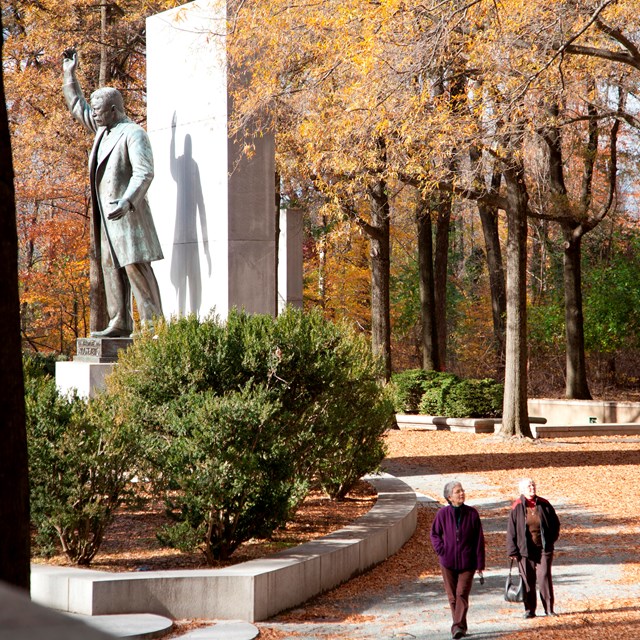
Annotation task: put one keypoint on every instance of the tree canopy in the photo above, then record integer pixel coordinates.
(384, 112)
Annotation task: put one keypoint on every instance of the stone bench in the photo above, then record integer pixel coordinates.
(251, 591)
(586, 430)
(440, 423)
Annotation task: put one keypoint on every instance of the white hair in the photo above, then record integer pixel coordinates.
(523, 485)
(449, 487)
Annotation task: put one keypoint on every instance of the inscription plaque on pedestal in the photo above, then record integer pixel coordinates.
(100, 349)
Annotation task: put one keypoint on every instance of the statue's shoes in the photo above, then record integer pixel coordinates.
(112, 332)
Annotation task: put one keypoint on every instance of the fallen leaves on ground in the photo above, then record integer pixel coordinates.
(589, 475)
(130, 542)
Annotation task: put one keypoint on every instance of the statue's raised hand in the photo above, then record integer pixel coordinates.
(69, 60)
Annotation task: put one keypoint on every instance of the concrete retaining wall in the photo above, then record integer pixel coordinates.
(251, 591)
(584, 412)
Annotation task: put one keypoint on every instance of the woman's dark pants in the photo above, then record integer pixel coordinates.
(458, 584)
(540, 572)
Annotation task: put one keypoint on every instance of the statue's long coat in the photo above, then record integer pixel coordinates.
(121, 167)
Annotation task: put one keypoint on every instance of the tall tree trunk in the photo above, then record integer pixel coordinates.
(380, 251)
(515, 417)
(98, 317)
(322, 263)
(14, 480)
(429, 339)
(577, 387)
(441, 262)
(539, 258)
(489, 219)
(103, 77)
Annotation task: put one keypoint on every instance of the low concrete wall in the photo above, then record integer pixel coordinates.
(586, 430)
(251, 591)
(440, 423)
(584, 412)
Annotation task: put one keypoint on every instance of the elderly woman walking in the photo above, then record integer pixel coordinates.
(532, 531)
(458, 539)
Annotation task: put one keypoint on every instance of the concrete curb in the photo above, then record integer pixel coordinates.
(250, 591)
(539, 429)
(441, 423)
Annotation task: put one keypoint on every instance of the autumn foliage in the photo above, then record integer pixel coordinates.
(381, 111)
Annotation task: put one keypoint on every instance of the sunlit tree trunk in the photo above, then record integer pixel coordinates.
(429, 340)
(14, 481)
(538, 267)
(322, 264)
(515, 417)
(380, 251)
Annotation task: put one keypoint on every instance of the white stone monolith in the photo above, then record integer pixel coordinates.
(213, 208)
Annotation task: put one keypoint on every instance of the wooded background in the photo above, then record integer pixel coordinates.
(467, 172)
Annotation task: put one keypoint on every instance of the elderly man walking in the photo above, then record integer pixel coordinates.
(120, 170)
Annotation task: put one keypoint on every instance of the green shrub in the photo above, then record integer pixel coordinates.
(407, 388)
(436, 389)
(447, 395)
(38, 365)
(232, 466)
(242, 417)
(474, 399)
(80, 467)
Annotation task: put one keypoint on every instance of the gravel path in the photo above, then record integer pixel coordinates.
(418, 607)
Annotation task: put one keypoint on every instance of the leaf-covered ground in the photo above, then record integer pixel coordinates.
(594, 474)
(130, 542)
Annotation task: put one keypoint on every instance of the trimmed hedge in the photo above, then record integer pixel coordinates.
(445, 394)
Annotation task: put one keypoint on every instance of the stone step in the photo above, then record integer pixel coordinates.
(586, 430)
(224, 630)
(138, 626)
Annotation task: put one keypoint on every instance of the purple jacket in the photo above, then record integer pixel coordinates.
(459, 547)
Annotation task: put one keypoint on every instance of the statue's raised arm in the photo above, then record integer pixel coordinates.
(79, 107)
(120, 172)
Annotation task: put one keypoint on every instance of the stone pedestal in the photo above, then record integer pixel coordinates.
(94, 361)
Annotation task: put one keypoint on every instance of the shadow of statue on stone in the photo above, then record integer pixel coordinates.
(185, 256)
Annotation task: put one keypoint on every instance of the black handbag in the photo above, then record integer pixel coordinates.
(513, 587)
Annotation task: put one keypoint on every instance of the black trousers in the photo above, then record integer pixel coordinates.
(539, 572)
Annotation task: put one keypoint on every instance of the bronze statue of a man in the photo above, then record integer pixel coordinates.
(120, 170)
